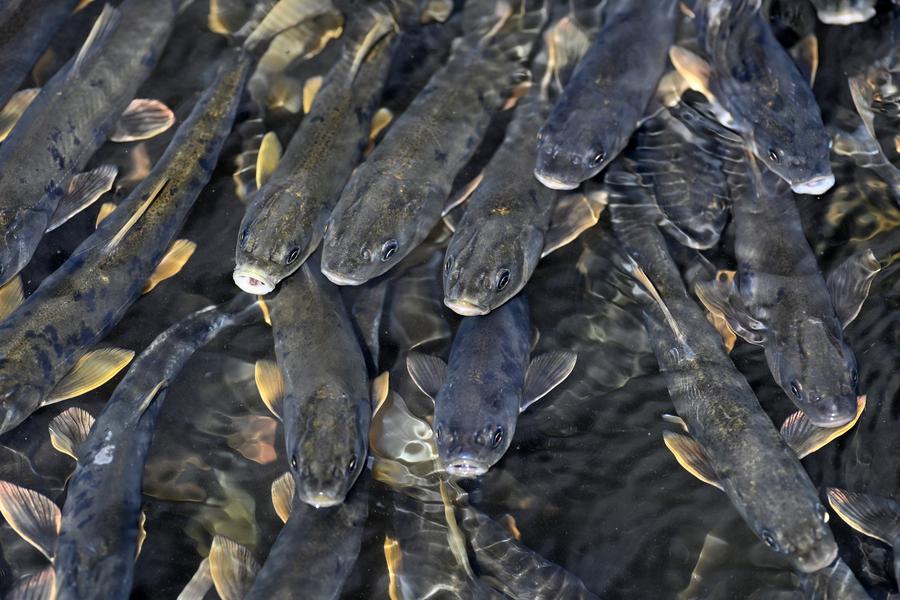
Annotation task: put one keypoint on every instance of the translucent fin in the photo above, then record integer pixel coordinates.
(267, 159)
(874, 516)
(383, 25)
(39, 586)
(32, 515)
(11, 296)
(566, 43)
(171, 264)
(84, 189)
(232, 568)
(806, 56)
(691, 456)
(380, 120)
(226, 16)
(717, 320)
(105, 23)
(544, 373)
(142, 119)
(69, 429)
(270, 383)
(464, 194)
(136, 216)
(140, 165)
(455, 537)
(200, 583)
(298, 43)
(850, 283)
(284, 93)
(141, 534)
(509, 522)
(264, 308)
(106, 209)
(310, 89)
(427, 372)
(573, 214)
(92, 370)
(283, 496)
(380, 387)
(393, 558)
(719, 296)
(284, 15)
(696, 71)
(652, 291)
(14, 109)
(804, 438)
(675, 420)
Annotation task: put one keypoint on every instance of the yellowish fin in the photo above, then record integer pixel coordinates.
(573, 214)
(804, 438)
(12, 295)
(199, 584)
(267, 316)
(142, 119)
(82, 4)
(39, 586)
(464, 194)
(382, 26)
(283, 496)
(806, 56)
(226, 16)
(69, 429)
(136, 216)
(455, 537)
(380, 120)
(172, 263)
(509, 522)
(14, 109)
(284, 93)
(32, 515)
(83, 190)
(675, 420)
(285, 15)
(301, 42)
(380, 388)
(92, 370)
(691, 456)
(106, 209)
(696, 71)
(232, 568)
(141, 534)
(270, 383)
(267, 160)
(717, 320)
(874, 516)
(150, 396)
(393, 558)
(310, 90)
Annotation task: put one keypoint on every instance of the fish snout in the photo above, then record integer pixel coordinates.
(321, 500)
(549, 170)
(253, 282)
(464, 307)
(825, 411)
(816, 186)
(467, 469)
(821, 553)
(338, 278)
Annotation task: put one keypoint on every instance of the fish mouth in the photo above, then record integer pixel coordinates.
(817, 560)
(323, 501)
(815, 186)
(465, 308)
(831, 420)
(553, 183)
(338, 279)
(846, 17)
(466, 468)
(253, 282)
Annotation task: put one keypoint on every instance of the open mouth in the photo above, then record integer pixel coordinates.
(253, 283)
(338, 279)
(323, 501)
(465, 308)
(815, 186)
(553, 183)
(466, 469)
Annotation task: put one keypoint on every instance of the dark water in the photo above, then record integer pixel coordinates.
(588, 480)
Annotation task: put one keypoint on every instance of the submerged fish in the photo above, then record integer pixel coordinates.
(608, 93)
(44, 338)
(874, 516)
(285, 219)
(395, 198)
(757, 89)
(489, 380)
(735, 446)
(76, 112)
(844, 12)
(98, 538)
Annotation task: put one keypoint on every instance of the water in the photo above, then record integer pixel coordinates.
(587, 480)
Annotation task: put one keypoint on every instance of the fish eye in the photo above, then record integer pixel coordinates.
(502, 279)
(497, 438)
(294, 463)
(598, 158)
(438, 432)
(773, 155)
(448, 265)
(352, 464)
(795, 389)
(244, 235)
(854, 377)
(388, 250)
(292, 256)
(770, 541)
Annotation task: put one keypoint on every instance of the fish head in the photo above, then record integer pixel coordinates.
(378, 226)
(18, 400)
(486, 266)
(800, 533)
(795, 146)
(568, 152)
(817, 370)
(326, 451)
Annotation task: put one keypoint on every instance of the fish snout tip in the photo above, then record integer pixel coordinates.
(466, 468)
(815, 186)
(820, 555)
(253, 283)
(834, 413)
(338, 278)
(465, 308)
(552, 182)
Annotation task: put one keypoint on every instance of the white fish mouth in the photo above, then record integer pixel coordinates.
(323, 501)
(554, 184)
(815, 186)
(466, 468)
(338, 279)
(465, 308)
(252, 282)
(846, 17)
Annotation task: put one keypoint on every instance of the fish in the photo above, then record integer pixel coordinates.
(74, 307)
(82, 106)
(733, 444)
(835, 582)
(98, 537)
(285, 219)
(608, 94)
(325, 405)
(844, 12)
(490, 379)
(511, 221)
(873, 516)
(518, 571)
(395, 198)
(779, 299)
(756, 89)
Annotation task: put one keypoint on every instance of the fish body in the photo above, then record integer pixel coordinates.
(97, 544)
(326, 404)
(394, 199)
(82, 300)
(835, 582)
(607, 96)
(286, 218)
(70, 119)
(748, 458)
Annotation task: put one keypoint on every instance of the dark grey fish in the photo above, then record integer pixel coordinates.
(608, 93)
(286, 218)
(71, 118)
(844, 12)
(326, 404)
(516, 570)
(395, 198)
(82, 300)
(835, 582)
(734, 445)
(489, 380)
(97, 541)
(758, 90)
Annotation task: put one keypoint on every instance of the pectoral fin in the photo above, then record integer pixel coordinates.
(141, 534)
(691, 456)
(32, 515)
(69, 429)
(428, 372)
(39, 586)
(874, 516)
(544, 373)
(268, 158)
(380, 120)
(382, 25)
(850, 283)
(106, 209)
(103, 26)
(695, 71)
(171, 264)
(84, 189)
(464, 194)
(11, 296)
(200, 583)
(283, 496)
(720, 297)
(14, 109)
(310, 89)
(232, 568)
(92, 370)
(804, 438)
(573, 213)
(270, 383)
(285, 93)
(806, 56)
(381, 386)
(142, 119)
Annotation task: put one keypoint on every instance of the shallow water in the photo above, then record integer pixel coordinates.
(587, 479)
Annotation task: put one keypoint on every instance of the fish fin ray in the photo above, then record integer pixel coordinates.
(806, 56)
(32, 515)
(69, 429)
(428, 372)
(200, 583)
(92, 370)
(804, 438)
(83, 190)
(850, 283)
(106, 209)
(37, 586)
(268, 158)
(720, 297)
(142, 119)
(232, 567)
(14, 109)
(283, 496)
(285, 93)
(573, 214)
(171, 264)
(544, 373)
(270, 384)
(874, 516)
(691, 455)
(311, 89)
(103, 26)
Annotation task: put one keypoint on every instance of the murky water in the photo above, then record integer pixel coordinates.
(587, 480)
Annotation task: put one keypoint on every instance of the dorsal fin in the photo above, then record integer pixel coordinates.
(105, 23)
(154, 194)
